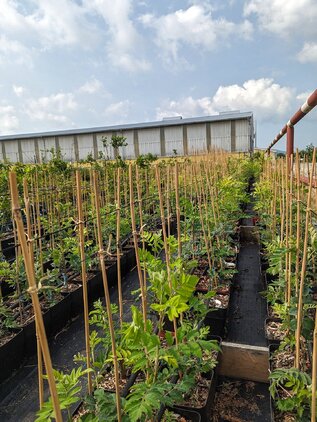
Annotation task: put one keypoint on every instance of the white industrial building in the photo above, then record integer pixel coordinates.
(232, 131)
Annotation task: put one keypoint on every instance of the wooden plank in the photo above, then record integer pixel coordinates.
(244, 361)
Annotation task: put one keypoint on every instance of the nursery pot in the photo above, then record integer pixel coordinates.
(215, 319)
(129, 263)
(94, 284)
(29, 332)
(11, 354)
(271, 340)
(76, 301)
(189, 415)
(111, 272)
(205, 409)
(60, 313)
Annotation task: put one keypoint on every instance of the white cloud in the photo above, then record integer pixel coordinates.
(90, 87)
(268, 100)
(288, 19)
(194, 26)
(12, 51)
(308, 53)
(39, 25)
(49, 23)
(18, 90)
(124, 39)
(186, 107)
(118, 112)
(52, 108)
(8, 119)
(285, 18)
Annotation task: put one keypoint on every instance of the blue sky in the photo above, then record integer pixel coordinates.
(80, 63)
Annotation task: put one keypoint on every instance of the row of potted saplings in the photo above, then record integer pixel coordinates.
(165, 356)
(161, 375)
(61, 293)
(142, 293)
(289, 262)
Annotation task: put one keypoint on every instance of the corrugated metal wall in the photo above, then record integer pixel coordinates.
(242, 135)
(174, 140)
(127, 151)
(182, 139)
(221, 135)
(149, 141)
(196, 138)
(85, 146)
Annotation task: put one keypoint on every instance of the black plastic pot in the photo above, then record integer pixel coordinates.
(216, 321)
(205, 411)
(94, 285)
(60, 314)
(169, 325)
(271, 340)
(112, 272)
(76, 302)
(8, 247)
(270, 278)
(264, 265)
(29, 332)
(11, 354)
(129, 384)
(130, 261)
(6, 289)
(190, 415)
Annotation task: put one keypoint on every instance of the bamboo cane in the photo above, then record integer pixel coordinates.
(209, 237)
(199, 193)
(118, 209)
(314, 373)
(168, 205)
(101, 254)
(135, 241)
(178, 212)
(83, 275)
(140, 208)
(38, 219)
(282, 202)
(274, 205)
(166, 249)
(31, 254)
(303, 269)
(16, 210)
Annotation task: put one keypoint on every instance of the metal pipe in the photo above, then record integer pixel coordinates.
(308, 105)
(290, 139)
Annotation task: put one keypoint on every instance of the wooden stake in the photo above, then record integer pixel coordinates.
(178, 211)
(118, 209)
(166, 249)
(314, 373)
(31, 253)
(136, 248)
(303, 270)
(168, 205)
(101, 254)
(83, 274)
(140, 208)
(16, 210)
